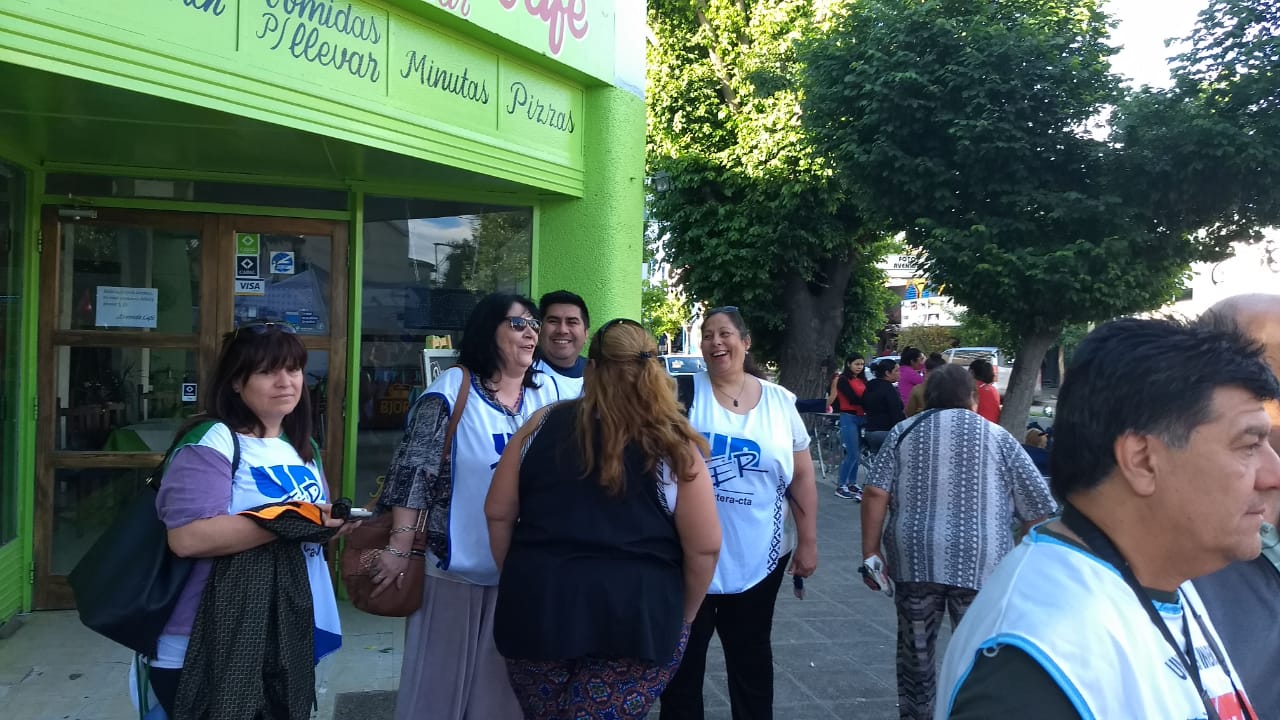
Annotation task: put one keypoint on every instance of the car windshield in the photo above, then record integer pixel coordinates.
(685, 365)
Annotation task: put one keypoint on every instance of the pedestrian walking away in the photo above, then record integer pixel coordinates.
(951, 485)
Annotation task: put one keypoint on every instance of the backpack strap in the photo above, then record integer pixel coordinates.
(684, 392)
(919, 419)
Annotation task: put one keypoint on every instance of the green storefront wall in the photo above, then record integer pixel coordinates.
(171, 90)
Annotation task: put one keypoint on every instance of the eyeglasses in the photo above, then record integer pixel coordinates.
(520, 323)
(723, 309)
(262, 328)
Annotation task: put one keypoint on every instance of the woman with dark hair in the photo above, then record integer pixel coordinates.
(988, 395)
(452, 671)
(950, 485)
(881, 401)
(846, 397)
(911, 364)
(603, 521)
(252, 449)
(762, 473)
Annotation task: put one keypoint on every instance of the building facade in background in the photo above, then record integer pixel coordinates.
(363, 169)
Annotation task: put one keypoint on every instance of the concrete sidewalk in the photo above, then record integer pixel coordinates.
(833, 653)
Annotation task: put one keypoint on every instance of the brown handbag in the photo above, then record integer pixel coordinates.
(366, 543)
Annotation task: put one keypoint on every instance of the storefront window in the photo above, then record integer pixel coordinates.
(11, 211)
(426, 263)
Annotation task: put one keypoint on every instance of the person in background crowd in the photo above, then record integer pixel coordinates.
(259, 414)
(1244, 598)
(915, 403)
(565, 322)
(603, 521)
(881, 402)
(762, 473)
(911, 362)
(951, 484)
(1165, 474)
(846, 398)
(988, 394)
(452, 670)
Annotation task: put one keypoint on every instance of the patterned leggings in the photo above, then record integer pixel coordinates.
(920, 610)
(591, 688)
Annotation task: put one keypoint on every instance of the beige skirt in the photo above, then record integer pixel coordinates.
(452, 669)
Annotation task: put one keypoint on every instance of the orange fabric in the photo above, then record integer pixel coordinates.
(307, 510)
(989, 402)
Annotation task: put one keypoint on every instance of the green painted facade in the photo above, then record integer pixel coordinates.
(467, 101)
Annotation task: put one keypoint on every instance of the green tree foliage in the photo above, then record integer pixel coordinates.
(663, 311)
(928, 338)
(965, 124)
(754, 216)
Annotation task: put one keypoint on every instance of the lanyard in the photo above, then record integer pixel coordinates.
(1101, 545)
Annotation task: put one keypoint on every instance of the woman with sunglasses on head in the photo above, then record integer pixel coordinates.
(603, 520)
(253, 448)
(452, 671)
(762, 473)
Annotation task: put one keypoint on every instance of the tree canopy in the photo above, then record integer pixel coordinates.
(973, 128)
(754, 216)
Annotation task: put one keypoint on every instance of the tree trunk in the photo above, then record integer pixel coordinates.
(1022, 383)
(814, 322)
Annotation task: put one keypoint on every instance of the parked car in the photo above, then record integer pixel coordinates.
(683, 364)
(965, 355)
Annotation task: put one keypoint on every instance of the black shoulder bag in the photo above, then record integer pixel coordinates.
(1099, 544)
(128, 583)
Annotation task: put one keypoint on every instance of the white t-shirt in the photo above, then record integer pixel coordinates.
(1077, 618)
(751, 464)
(482, 435)
(270, 471)
(567, 388)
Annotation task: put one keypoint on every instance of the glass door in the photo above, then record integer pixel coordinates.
(133, 306)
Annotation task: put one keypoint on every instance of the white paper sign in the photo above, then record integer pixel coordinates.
(126, 307)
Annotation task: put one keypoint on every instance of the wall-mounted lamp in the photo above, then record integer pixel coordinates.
(659, 182)
(74, 213)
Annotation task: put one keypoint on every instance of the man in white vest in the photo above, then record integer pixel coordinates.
(565, 322)
(1162, 459)
(1244, 597)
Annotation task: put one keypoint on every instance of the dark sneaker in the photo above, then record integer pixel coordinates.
(856, 494)
(847, 494)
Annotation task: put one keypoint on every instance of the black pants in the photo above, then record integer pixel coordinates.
(745, 623)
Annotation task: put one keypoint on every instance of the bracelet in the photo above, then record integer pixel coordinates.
(403, 529)
(398, 553)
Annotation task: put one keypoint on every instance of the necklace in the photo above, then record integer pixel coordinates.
(740, 390)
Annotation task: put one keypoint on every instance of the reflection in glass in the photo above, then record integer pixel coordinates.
(316, 377)
(122, 399)
(426, 263)
(11, 209)
(85, 501)
(295, 270)
(120, 277)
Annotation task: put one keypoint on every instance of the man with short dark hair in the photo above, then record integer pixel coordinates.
(952, 485)
(1244, 598)
(565, 322)
(1161, 458)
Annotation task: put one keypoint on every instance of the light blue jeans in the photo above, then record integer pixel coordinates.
(850, 430)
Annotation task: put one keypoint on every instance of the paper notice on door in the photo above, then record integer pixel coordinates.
(126, 307)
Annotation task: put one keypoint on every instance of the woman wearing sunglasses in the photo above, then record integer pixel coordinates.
(253, 448)
(603, 520)
(759, 463)
(452, 671)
